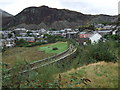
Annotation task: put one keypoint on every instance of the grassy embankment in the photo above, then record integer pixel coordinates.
(101, 75)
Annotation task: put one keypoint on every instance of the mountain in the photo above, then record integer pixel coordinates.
(46, 17)
(4, 14)
(6, 17)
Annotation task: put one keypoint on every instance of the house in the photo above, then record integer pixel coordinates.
(114, 27)
(17, 31)
(104, 32)
(114, 32)
(23, 34)
(68, 30)
(83, 41)
(35, 34)
(8, 43)
(72, 35)
(85, 37)
(54, 33)
(7, 34)
(95, 37)
(99, 26)
(43, 31)
(107, 27)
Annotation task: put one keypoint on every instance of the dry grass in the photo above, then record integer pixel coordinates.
(19, 54)
(101, 75)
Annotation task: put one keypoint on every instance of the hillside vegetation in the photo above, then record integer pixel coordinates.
(101, 75)
(93, 66)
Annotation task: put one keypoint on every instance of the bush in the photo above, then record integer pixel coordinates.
(54, 38)
(35, 44)
(100, 52)
(55, 48)
(21, 42)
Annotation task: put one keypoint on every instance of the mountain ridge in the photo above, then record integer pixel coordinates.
(46, 17)
(4, 14)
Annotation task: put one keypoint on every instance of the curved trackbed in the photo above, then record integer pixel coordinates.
(47, 61)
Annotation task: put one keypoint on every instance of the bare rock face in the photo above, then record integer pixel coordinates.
(45, 17)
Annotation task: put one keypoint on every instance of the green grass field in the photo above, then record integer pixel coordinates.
(62, 46)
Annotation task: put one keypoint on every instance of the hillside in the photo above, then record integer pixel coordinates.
(6, 17)
(46, 17)
(4, 14)
(99, 75)
(94, 66)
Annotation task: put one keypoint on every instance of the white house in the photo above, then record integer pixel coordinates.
(95, 37)
(114, 32)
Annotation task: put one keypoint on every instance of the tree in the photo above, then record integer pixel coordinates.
(53, 38)
(113, 37)
(28, 33)
(21, 42)
(10, 35)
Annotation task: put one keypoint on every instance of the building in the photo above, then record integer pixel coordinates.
(104, 32)
(72, 35)
(17, 31)
(108, 27)
(92, 37)
(95, 38)
(83, 38)
(8, 43)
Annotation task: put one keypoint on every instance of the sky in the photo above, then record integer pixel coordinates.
(109, 7)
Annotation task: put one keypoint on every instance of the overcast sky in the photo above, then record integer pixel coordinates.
(109, 7)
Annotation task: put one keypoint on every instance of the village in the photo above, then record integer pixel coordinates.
(9, 37)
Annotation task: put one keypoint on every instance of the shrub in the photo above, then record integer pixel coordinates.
(100, 52)
(21, 42)
(54, 38)
(55, 48)
(35, 44)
